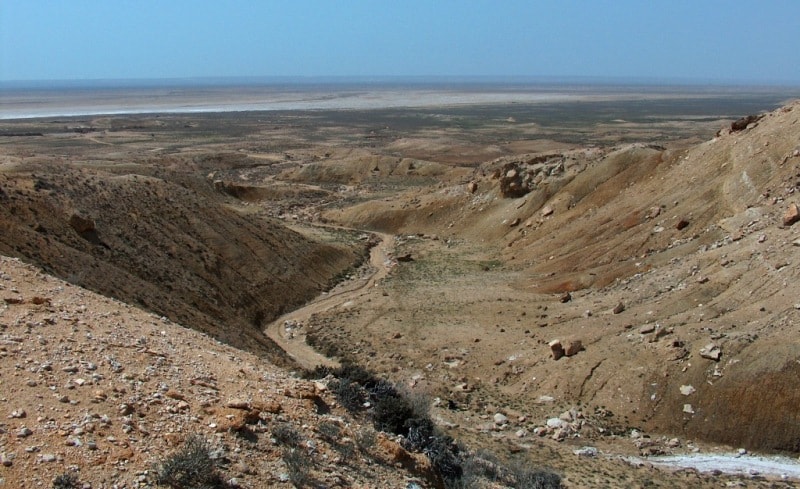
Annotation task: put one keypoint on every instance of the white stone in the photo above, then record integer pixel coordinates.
(586, 452)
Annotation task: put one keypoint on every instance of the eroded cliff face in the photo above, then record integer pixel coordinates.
(168, 242)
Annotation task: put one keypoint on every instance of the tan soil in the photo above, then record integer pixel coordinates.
(467, 318)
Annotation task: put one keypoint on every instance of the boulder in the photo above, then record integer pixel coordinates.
(573, 347)
(741, 124)
(711, 351)
(792, 215)
(472, 187)
(81, 224)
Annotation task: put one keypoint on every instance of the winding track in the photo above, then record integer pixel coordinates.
(296, 346)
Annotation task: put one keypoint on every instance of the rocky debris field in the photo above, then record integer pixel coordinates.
(104, 392)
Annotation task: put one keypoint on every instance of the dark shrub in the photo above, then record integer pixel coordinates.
(391, 413)
(286, 435)
(299, 467)
(66, 480)
(349, 394)
(190, 468)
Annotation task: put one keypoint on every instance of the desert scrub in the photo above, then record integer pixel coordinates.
(299, 466)
(407, 413)
(192, 467)
(66, 480)
(284, 434)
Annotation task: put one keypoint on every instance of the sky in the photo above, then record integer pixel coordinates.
(730, 41)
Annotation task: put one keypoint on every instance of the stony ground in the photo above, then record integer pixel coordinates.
(664, 268)
(107, 392)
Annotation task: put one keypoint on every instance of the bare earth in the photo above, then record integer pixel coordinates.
(444, 249)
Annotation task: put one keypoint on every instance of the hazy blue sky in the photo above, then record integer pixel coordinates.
(701, 40)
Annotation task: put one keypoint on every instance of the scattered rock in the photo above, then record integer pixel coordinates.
(565, 297)
(681, 224)
(792, 215)
(687, 408)
(546, 211)
(6, 459)
(472, 187)
(557, 349)
(586, 452)
(647, 328)
(573, 347)
(653, 212)
(741, 124)
(711, 351)
(500, 419)
(687, 390)
(618, 308)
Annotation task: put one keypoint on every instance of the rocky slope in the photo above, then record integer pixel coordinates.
(673, 266)
(103, 393)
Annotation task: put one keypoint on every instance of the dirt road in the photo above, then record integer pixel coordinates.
(288, 331)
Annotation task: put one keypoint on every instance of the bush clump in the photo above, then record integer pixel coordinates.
(190, 468)
(399, 412)
(66, 480)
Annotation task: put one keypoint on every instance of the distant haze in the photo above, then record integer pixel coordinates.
(22, 100)
(679, 41)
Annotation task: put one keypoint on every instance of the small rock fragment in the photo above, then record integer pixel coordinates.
(618, 308)
(647, 328)
(711, 351)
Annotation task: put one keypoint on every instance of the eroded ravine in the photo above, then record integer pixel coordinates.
(294, 342)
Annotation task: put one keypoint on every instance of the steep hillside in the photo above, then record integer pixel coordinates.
(678, 263)
(167, 241)
(97, 393)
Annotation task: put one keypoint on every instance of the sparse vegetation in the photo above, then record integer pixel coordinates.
(190, 468)
(299, 466)
(400, 412)
(67, 480)
(286, 435)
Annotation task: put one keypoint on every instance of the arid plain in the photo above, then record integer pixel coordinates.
(576, 285)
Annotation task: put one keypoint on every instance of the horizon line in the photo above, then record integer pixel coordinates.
(379, 79)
